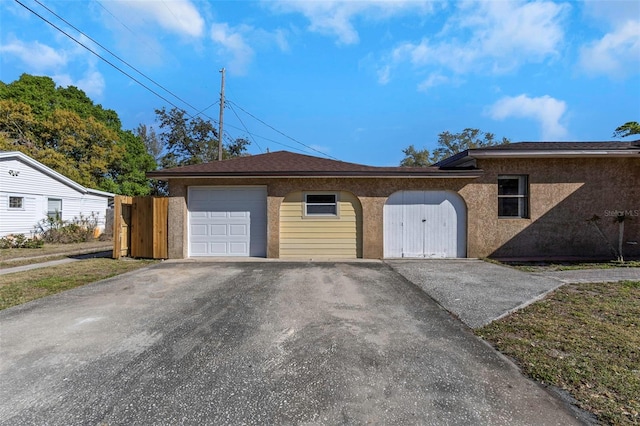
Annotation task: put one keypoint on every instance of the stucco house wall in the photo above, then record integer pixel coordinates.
(564, 193)
(371, 192)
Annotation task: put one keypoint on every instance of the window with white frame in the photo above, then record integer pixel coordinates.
(16, 202)
(321, 204)
(54, 208)
(513, 196)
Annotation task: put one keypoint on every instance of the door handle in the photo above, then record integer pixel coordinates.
(424, 220)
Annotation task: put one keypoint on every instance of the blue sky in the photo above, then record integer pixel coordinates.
(357, 80)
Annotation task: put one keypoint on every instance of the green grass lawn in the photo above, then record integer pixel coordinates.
(569, 266)
(22, 287)
(584, 338)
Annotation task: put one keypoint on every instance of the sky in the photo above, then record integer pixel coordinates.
(357, 81)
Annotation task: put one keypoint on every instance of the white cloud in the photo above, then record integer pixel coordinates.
(36, 56)
(237, 43)
(433, 80)
(545, 109)
(232, 42)
(92, 83)
(488, 36)
(616, 54)
(335, 17)
(177, 16)
(384, 74)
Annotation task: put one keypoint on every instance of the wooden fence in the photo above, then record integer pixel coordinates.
(140, 227)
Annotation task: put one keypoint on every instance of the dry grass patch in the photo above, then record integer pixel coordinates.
(51, 249)
(570, 266)
(22, 287)
(584, 338)
(30, 261)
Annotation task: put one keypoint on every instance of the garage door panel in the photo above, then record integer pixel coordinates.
(241, 230)
(238, 249)
(234, 219)
(199, 230)
(217, 249)
(217, 230)
(424, 224)
(198, 248)
(239, 214)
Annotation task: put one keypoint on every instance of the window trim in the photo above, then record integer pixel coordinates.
(523, 196)
(335, 215)
(21, 207)
(56, 214)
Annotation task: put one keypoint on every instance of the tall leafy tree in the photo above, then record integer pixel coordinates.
(150, 140)
(65, 130)
(627, 129)
(127, 175)
(450, 144)
(191, 140)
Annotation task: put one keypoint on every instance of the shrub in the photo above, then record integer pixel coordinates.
(55, 230)
(20, 241)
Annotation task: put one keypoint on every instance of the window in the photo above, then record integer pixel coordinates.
(16, 202)
(513, 196)
(321, 205)
(54, 208)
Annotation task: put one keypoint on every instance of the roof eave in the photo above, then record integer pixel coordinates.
(466, 174)
(554, 153)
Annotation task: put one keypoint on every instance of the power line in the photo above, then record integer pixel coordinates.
(124, 25)
(245, 127)
(162, 87)
(278, 131)
(114, 55)
(96, 54)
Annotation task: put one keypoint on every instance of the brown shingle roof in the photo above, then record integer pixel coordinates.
(540, 150)
(562, 146)
(288, 164)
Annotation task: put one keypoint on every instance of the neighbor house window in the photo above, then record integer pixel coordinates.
(513, 196)
(54, 208)
(16, 202)
(321, 205)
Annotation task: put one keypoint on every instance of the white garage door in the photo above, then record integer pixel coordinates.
(227, 221)
(422, 224)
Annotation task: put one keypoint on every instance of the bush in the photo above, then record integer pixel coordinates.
(20, 241)
(55, 230)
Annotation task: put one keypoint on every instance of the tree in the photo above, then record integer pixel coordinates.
(450, 144)
(415, 158)
(627, 129)
(191, 140)
(62, 128)
(128, 173)
(150, 139)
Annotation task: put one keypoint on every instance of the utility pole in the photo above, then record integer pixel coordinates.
(220, 128)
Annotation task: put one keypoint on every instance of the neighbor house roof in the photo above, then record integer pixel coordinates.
(543, 150)
(7, 155)
(289, 164)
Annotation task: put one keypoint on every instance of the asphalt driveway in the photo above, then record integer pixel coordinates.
(256, 343)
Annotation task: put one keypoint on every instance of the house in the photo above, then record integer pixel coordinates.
(522, 200)
(31, 191)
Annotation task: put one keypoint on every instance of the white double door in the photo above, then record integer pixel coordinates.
(424, 224)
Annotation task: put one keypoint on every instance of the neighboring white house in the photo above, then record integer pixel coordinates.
(31, 191)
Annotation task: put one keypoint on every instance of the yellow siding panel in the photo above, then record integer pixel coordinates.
(309, 237)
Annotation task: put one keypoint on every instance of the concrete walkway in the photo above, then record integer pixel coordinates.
(594, 275)
(479, 292)
(72, 257)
